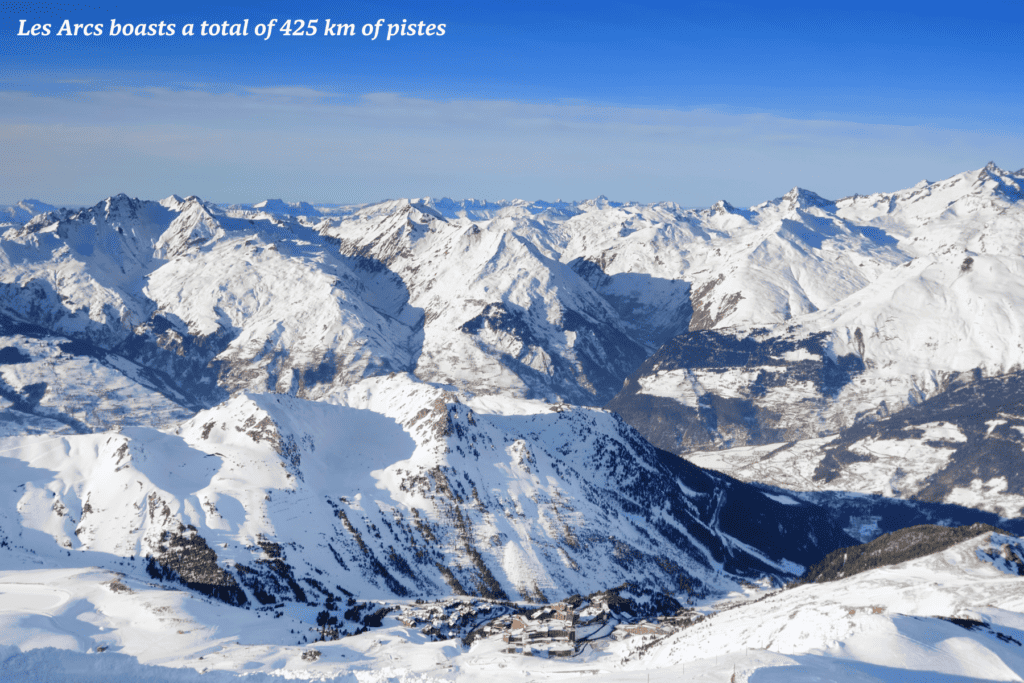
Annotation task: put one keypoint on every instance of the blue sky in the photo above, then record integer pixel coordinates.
(687, 102)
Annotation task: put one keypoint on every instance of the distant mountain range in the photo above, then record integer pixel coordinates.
(287, 403)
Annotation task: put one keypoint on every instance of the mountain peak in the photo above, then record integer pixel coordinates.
(600, 202)
(723, 207)
(287, 208)
(427, 210)
(117, 201)
(119, 205)
(25, 210)
(35, 205)
(803, 199)
(994, 172)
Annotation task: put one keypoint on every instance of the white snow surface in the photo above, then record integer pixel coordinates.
(877, 625)
(394, 489)
(887, 624)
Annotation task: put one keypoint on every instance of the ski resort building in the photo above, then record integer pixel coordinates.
(547, 632)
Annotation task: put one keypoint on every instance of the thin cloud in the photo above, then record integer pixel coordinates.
(246, 144)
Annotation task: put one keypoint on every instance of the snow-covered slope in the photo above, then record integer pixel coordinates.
(23, 211)
(953, 615)
(404, 491)
(958, 446)
(217, 304)
(79, 387)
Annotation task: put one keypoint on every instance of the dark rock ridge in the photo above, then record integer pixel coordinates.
(889, 549)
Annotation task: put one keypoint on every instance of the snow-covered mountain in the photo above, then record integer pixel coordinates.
(292, 411)
(795, 319)
(959, 446)
(949, 615)
(950, 301)
(540, 300)
(24, 210)
(403, 490)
